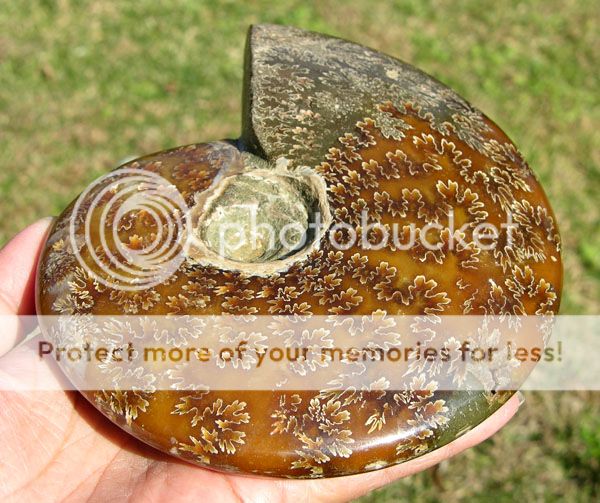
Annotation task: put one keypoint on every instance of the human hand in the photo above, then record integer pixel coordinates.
(57, 447)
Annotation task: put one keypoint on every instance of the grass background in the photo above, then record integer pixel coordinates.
(85, 84)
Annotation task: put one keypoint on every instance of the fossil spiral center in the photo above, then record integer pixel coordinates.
(259, 217)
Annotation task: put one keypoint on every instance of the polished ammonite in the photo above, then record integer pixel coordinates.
(331, 131)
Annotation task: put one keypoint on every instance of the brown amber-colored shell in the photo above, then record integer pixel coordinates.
(383, 138)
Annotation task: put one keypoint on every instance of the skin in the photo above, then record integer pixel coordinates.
(57, 447)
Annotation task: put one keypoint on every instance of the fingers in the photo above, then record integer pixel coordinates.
(347, 488)
(18, 263)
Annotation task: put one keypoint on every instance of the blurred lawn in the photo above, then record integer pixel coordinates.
(85, 84)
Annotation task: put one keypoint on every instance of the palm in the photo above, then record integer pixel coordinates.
(55, 445)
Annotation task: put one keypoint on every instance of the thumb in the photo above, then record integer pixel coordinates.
(18, 264)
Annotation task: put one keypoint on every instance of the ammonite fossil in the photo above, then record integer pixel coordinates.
(338, 141)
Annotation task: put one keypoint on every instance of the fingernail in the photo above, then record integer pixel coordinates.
(520, 397)
(46, 221)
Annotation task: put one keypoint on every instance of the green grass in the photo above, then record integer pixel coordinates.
(85, 84)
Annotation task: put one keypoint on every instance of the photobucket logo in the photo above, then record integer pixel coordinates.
(112, 206)
(370, 235)
(485, 235)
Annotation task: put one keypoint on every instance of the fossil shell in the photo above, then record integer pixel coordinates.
(333, 129)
